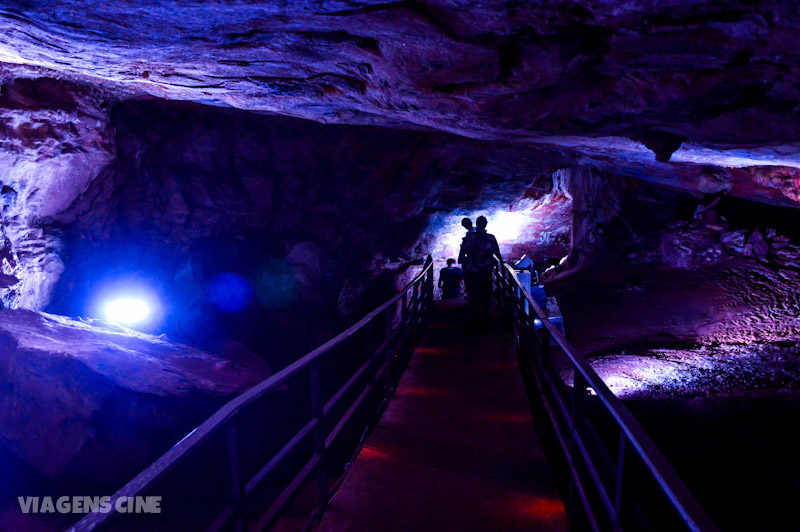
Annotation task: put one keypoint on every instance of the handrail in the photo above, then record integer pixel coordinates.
(412, 316)
(683, 502)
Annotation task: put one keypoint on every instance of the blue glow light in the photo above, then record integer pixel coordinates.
(230, 292)
(127, 310)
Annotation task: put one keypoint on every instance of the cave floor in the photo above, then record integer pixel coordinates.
(456, 447)
(708, 361)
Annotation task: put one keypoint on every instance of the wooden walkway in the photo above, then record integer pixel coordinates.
(456, 449)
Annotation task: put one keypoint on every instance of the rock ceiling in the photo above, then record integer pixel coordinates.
(718, 82)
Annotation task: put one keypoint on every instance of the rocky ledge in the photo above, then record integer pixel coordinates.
(96, 402)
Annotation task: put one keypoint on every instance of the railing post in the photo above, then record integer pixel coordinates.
(578, 390)
(620, 481)
(317, 405)
(497, 287)
(235, 486)
(371, 344)
(389, 328)
(423, 296)
(388, 323)
(504, 288)
(575, 421)
(416, 304)
(404, 310)
(414, 318)
(429, 262)
(578, 395)
(370, 340)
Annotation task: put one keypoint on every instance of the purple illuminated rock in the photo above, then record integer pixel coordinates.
(645, 83)
(100, 402)
(54, 141)
(735, 241)
(778, 242)
(690, 247)
(663, 73)
(758, 244)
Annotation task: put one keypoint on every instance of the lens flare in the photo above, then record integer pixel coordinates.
(278, 285)
(230, 292)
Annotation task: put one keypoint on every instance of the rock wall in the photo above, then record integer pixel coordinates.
(185, 192)
(55, 137)
(74, 173)
(315, 218)
(596, 201)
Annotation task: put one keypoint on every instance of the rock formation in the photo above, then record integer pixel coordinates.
(94, 401)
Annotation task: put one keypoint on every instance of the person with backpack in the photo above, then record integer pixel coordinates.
(478, 252)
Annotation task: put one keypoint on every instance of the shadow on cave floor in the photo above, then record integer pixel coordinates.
(737, 453)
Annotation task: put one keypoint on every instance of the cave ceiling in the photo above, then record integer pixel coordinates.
(715, 75)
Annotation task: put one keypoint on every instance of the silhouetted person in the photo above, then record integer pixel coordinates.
(450, 280)
(466, 223)
(478, 252)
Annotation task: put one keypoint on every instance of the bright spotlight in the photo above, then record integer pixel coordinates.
(507, 226)
(127, 310)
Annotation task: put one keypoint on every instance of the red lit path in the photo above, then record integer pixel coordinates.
(455, 449)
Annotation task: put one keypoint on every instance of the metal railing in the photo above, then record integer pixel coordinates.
(613, 475)
(368, 359)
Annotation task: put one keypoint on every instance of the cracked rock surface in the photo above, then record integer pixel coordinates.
(697, 82)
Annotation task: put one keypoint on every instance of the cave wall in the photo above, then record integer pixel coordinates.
(60, 140)
(322, 221)
(175, 193)
(596, 199)
(318, 219)
(55, 137)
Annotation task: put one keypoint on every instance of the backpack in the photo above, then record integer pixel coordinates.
(480, 252)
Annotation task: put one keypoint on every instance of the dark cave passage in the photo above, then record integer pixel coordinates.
(299, 233)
